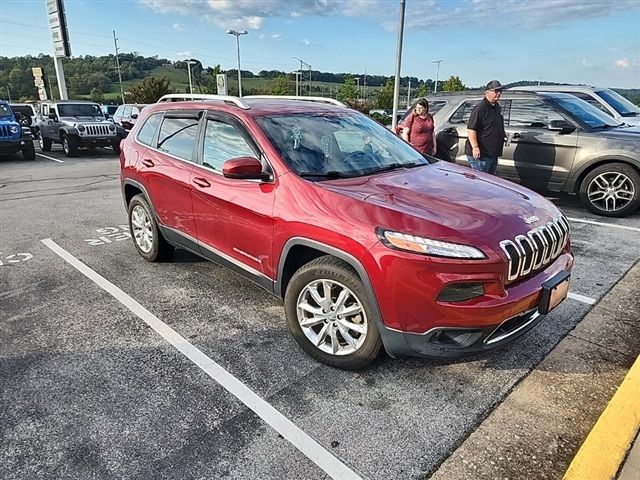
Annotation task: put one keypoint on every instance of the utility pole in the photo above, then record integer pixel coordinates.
(237, 34)
(189, 63)
(409, 94)
(396, 87)
(8, 93)
(115, 42)
(364, 95)
(438, 62)
(305, 64)
(358, 87)
(297, 74)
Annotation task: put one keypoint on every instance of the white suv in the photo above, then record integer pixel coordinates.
(605, 99)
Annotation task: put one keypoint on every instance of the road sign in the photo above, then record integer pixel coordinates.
(221, 83)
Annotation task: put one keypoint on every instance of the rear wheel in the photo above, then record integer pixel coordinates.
(70, 145)
(149, 242)
(329, 314)
(45, 143)
(611, 190)
(29, 151)
(116, 147)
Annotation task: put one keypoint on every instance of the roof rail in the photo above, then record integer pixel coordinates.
(185, 97)
(333, 101)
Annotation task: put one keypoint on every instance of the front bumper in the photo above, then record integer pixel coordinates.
(98, 141)
(12, 146)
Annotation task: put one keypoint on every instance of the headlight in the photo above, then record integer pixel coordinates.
(426, 246)
(112, 127)
(81, 128)
(14, 129)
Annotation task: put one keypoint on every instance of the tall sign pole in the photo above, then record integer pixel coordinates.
(396, 86)
(60, 40)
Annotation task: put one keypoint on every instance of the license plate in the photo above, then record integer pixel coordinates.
(554, 291)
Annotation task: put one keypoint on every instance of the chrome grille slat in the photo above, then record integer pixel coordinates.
(4, 131)
(530, 252)
(97, 130)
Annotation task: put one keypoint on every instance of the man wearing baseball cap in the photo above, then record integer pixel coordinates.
(486, 131)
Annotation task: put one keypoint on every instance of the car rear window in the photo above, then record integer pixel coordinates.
(178, 136)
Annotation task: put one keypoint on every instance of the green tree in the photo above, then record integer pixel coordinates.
(384, 98)
(281, 86)
(453, 84)
(97, 95)
(150, 89)
(422, 91)
(348, 91)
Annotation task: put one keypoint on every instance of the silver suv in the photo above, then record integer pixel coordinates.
(76, 124)
(605, 99)
(555, 142)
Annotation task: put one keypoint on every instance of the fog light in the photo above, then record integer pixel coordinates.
(459, 292)
(456, 337)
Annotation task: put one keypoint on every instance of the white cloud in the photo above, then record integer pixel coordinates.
(179, 27)
(586, 63)
(306, 41)
(184, 55)
(276, 36)
(251, 14)
(622, 63)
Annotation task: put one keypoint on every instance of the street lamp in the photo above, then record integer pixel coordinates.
(237, 33)
(297, 74)
(437, 62)
(189, 63)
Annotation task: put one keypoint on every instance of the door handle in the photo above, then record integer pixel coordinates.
(201, 182)
(147, 162)
(518, 135)
(450, 130)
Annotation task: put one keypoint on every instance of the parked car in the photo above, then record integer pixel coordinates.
(610, 102)
(556, 142)
(127, 114)
(28, 114)
(14, 137)
(369, 243)
(76, 124)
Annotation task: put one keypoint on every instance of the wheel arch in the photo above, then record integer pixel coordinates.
(577, 180)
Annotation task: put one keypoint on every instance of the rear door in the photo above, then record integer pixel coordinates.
(166, 170)
(234, 217)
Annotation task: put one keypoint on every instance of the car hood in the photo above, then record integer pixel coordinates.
(449, 202)
(623, 133)
(80, 119)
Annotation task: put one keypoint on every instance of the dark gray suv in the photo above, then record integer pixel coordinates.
(556, 142)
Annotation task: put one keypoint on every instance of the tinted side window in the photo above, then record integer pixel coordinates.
(178, 136)
(461, 115)
(221, 143)
(126, 112)
(530, 113)
(148, 130)
(588, 98)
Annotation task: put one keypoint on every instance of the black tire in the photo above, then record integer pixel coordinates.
(45, 143)
(116, 147)
(621, 176)
(339, 274)
(29, 151)
(158, 248)
(70, 145)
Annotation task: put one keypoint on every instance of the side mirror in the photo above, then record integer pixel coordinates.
(52, 116)
(245, 168)
(134, 115)
(561, 126)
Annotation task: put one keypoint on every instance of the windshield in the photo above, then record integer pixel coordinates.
(587, 113)
(22, 110)
(79, 110)
(334, 145)
(5, 111)
(620, 104)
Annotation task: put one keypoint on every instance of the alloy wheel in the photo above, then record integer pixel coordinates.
(142, 231)
(332, 317)
(611, 191)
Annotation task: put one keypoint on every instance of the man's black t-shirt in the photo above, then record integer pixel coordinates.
(487, 121)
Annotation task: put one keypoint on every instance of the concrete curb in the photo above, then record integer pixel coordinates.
(604, 450)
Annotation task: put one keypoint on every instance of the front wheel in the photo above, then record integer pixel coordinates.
(70, 145)
(45, 143)
(611, 190)
(29, 151)
(330, 316)
(147, 238)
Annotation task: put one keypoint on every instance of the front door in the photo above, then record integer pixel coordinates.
(234, 217)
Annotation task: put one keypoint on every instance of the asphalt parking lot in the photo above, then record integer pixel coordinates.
(89, 390)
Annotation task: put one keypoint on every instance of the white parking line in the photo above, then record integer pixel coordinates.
(582, 298)
(285, 427)
(50, 158)
(603, 224)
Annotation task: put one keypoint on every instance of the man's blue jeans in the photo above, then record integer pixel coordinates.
(484, 164)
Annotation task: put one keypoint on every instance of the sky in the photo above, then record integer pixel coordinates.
(568, 41)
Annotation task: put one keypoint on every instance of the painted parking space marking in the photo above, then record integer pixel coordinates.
(582, 298)
(49, 158)
(603, 224)
(285, 427)
(15, 258)
(109, 235)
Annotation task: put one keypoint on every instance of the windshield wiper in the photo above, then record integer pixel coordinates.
(330, 175)
(391, 166)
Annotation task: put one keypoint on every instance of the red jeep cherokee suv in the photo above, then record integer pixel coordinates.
(369, 243)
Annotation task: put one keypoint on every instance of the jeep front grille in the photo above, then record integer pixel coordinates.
(4, 131)
(97, 130)
(539, 247)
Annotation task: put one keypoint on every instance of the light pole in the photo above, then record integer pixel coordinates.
(189, 63)
(237, 34)
(297, 74)
(358, 87)
(437, 62)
